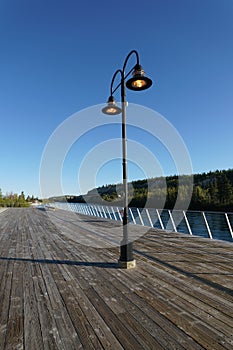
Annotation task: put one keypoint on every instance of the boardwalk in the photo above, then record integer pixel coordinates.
(58, 293)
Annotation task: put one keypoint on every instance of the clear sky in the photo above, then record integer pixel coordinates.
(58, 57)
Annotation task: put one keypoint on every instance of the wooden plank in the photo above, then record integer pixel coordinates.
(62, 294)
(62, 328)
(172, 245)
(117, 327)
(34, 336)
(197, 304)
(88, 323)
(6, 282)
(117, 303)
(14, 331)
(151, 321)
(148, 333)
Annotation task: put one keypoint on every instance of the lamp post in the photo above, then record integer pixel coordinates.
(138, 82)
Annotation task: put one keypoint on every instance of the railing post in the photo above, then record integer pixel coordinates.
(229, 224)
(207, 225)
(149, 218)
(99, 211)
(105, 216)
(119, 214)
(160, 220)
(89, 210)
(114, 215)
(95, 211)
(131, 213)
(187, 223)
(140, 217)
(108, 212)
(171, 218)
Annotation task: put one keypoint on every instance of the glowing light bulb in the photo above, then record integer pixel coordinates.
(111, 110)
(139, 83)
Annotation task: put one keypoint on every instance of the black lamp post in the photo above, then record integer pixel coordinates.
(137, 83)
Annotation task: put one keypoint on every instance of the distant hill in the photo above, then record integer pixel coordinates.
(211, 191)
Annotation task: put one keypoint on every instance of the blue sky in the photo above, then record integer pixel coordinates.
(58, 58)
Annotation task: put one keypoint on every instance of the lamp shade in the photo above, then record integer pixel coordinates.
(139, 81)
(111, 108)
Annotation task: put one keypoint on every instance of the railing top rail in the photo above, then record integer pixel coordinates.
(150, 208)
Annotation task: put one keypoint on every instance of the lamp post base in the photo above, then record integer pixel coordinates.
(126, 260)
(127, 264)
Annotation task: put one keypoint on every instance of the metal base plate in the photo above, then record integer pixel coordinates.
(127, 264)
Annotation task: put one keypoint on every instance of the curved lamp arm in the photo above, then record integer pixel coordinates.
(126, 61)
(136, 69)
(113, 79)
(138, 82)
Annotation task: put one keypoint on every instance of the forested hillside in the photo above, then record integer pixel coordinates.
(211, 191)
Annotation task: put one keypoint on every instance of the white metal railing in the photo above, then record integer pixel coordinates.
(215, 225)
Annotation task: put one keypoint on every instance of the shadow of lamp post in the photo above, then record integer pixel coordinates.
(138, 82)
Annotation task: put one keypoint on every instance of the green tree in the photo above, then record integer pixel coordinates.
(200, 198)
(213, 192)
(21, 200)
(225, 190)
(171, 197)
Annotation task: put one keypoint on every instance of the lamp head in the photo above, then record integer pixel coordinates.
(111, 108)
(139, 81)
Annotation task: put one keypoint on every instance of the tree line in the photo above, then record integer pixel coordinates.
(208, 191)
(15, 200)
(211, 191)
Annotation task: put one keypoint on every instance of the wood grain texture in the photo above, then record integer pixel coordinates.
(59, 291)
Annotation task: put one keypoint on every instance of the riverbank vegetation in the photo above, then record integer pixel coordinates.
(211, 191)
(15, 200)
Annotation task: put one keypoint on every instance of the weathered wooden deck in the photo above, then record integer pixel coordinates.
(57, 293)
